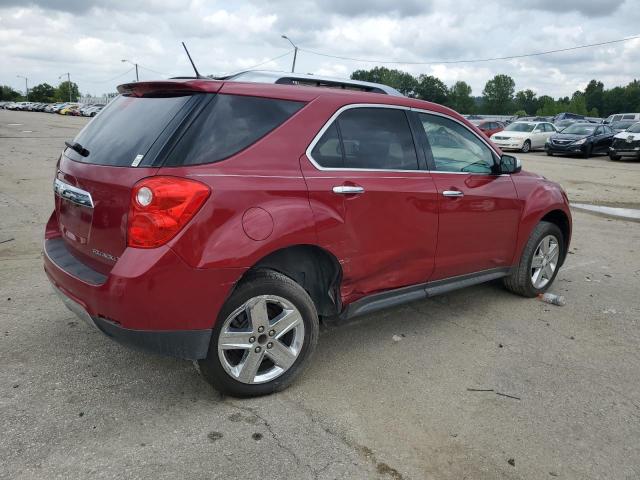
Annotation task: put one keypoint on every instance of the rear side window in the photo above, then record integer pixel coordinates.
(228, 124)
(368, 138)
(125, 129)
(628, 117)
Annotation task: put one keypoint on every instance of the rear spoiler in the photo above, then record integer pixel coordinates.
(168, 87)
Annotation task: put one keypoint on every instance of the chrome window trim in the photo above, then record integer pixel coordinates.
(73, 194)
(449, 117)
(332, 119)
(337, 113)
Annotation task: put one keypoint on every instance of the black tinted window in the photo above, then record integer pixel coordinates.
(126, 128)
(230, 123)
(377, 138)
(328, 151)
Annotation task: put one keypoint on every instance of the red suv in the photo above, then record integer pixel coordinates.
(221, 221)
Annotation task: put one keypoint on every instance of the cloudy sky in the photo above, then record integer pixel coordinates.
(42, 39)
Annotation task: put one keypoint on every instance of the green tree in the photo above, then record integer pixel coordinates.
(614, 101)
(594, 95)
(62, 92)
(520, 113)
(404, 82)
(42, 93)
(526, 100)
(548, 106)
(498, 95)
(8, 93)
(578, 104)
(431, 89)
(460, 98)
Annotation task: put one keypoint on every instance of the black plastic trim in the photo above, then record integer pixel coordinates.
(185, 344)
(58, 253)
(399, 296)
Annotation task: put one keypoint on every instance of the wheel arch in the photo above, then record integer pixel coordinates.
(559, 218)
(317, 270)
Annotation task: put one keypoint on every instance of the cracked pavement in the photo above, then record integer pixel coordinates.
(73, 404)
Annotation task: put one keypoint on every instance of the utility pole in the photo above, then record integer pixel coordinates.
(135, 65)
(68, 83)
(295, 53)
(26, 85)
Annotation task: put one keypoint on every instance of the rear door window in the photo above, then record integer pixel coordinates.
(126, 128)
(227, 125)
(368, 138)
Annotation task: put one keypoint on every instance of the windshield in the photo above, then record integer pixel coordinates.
(622, 125)
(579, 129)
(521, 127)
(635, 128)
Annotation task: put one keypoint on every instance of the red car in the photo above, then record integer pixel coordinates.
(221, 221)
(490, 127)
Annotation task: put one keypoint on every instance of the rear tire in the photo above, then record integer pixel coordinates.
(526, 146)
(521, 279)
(250, 325)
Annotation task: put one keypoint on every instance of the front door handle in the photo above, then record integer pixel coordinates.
(453, 193)
(348, 189)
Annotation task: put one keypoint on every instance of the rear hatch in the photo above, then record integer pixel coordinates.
(123, 144)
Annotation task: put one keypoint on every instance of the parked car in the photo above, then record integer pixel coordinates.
(622, 116)
(68, 108)
(490, 127)
(568, 116)
(583, 139)
(228, 242)
(626, 144)
(524, 136)
(622, 125)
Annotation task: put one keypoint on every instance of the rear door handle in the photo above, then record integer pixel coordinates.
(453, 193)
(348, 189)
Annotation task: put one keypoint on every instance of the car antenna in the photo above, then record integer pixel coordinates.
(192, 64)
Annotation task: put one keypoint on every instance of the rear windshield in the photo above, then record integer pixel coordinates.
(228, 124)
(125, 129)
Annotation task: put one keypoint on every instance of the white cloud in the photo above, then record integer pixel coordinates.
(45, 38)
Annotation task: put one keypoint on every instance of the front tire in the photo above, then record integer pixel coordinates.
(539, 263)
(614, 157)
(587, 151)
(264, 337)
(526, 146)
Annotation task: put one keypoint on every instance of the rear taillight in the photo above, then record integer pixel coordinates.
(161, 207)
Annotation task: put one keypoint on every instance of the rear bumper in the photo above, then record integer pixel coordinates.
(186, 344)
(151, 299)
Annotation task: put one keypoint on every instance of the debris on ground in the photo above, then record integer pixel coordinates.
(397, 338)
(494, 391)
(610, 310)
(7, 240)
(512, 462)
(553, 299)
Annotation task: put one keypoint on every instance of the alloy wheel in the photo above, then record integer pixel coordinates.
(545, 261)
(261, 339)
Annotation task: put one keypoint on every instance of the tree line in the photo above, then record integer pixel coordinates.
(499, 96)
(43, 93)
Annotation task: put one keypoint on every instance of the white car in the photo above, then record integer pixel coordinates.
(524, 136)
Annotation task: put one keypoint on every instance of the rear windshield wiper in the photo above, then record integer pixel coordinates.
(76, 147)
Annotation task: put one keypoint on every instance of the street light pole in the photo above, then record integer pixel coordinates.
(295, 53)
(26, 85)
(68, 83)
(135, 65)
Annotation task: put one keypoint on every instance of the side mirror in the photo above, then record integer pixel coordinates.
(510, 164)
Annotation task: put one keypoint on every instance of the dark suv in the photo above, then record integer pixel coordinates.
(221, 221)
